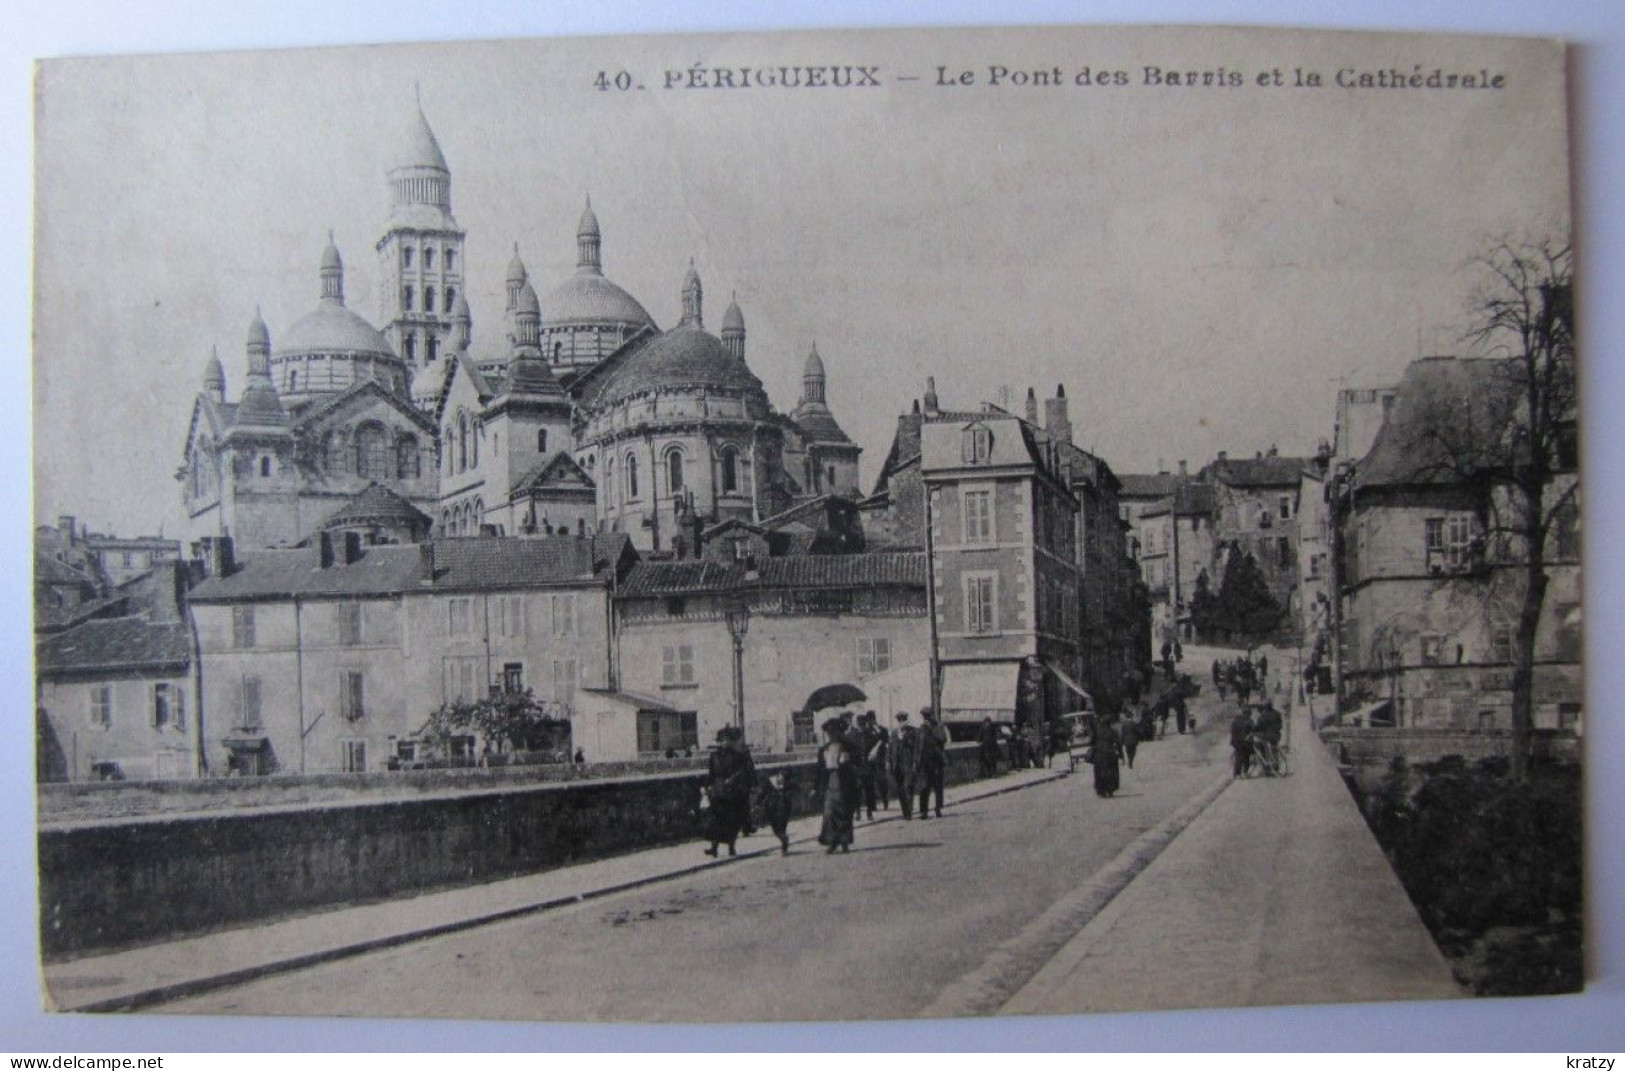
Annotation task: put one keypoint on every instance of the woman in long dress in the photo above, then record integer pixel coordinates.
(837, 783)
(730, 777)
(1107, 753)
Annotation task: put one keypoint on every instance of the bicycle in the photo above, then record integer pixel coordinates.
(1269, 760)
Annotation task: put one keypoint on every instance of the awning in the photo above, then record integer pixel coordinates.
(1088, 700)
(975, 690)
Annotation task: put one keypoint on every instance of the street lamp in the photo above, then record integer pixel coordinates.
(738, 614)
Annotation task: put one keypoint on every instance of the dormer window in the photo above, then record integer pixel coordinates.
(976, 444)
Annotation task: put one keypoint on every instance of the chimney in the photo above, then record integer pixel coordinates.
(1056, 420)
(1032, 407)
(426, 562)
(1223, 456)
(352, 547)
(1275, 451)
(1162, 467)
(931, 396)
(324, 550)
(222, 562)
(1184, 469)
(65, 524)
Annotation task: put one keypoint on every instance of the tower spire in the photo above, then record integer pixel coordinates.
(588, 241)
(693, 314)
(332, 272)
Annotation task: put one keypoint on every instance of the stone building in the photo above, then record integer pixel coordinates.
(1254, 509)
(1430, 590)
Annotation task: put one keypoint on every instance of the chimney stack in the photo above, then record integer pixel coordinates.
(222, 562)
(931, 396)
(1184, 469)
(1056, 420)
(65, 524)
(1223, 456)
(1032, 407)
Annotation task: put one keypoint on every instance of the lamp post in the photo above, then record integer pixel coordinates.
(738, 614)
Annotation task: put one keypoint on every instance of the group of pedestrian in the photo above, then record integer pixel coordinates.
(1251, 731)
(1242, 675)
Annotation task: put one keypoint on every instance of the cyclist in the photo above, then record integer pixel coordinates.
(1268, 733)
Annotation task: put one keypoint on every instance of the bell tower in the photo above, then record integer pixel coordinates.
(420, 256)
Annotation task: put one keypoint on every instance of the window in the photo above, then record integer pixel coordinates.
(354, 756)
(408, 461)
(1501, 645)
(564, 615)
(352, 695)
(978, 516)
(265, 466)
(1284, 507)
(564, 681)
(976, 444)
(730, 471)
(407, 294)
(1432, 650)
(460, 679)
(677, 665)
(541, 440)
(431, 347)
(513, 677)
(428, 300)
(242, 626)
(981, 603)
(874, 655)
(676, 606)
(462, 442)
(660, 731)
(631, 478)
(1566, 525)
(128, 559)
(451, 297)
(459, 616)
(451, 260)
(428, 258)
(511, 616)
(1568, 715)
(372, 453)
(1283, 552)
(101, 705)
(1449, 541)
(1566, 632)
(411, 343)
(349, 623)
(406, 256)
(674, 471)
(248, 704)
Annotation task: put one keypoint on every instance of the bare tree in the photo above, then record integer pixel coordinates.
(1510, 440)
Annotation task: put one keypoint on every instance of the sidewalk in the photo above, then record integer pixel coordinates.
(139, 977)
(1277, 893)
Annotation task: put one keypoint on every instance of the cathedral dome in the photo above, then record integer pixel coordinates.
(332, 328)
(684, 357)
(589, 299)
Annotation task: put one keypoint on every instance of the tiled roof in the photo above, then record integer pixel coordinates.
(813, 507)
(47, 570)
(57, 618)
(654, 579)
(376, 503)
(485, 563)
(818, 424)
(1268, 471)
(120, 643)
(1450, 416)
(1149, 484)
(845, 570)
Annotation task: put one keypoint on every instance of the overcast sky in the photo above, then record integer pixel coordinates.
(1200, 266)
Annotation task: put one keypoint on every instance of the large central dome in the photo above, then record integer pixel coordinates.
(332, 328)
(686, 357)
(587, 299)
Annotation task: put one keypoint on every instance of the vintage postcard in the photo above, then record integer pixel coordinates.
(821, 525)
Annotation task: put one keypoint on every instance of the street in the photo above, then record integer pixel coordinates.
(874, 934)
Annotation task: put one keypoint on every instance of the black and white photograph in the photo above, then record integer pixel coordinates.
(811, 526)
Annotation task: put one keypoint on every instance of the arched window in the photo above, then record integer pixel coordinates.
(337, 454)
(265, 465)
(477, 518)
(730, 470)
(431, 347)
(428, 258)
(474, 448)
(609, 481)
(406, 256)
(558, 352)
(372, 459)
(631, 477)
(293, 380)
(462, 442)
(408, 463)
(674, 470)
(428, 299)
(406, 298)
(451, 292)
(410, 344)
(541, 440)
(451, 260)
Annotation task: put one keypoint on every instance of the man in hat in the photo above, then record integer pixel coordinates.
(933, 761)
(905, 763)
(877, 745)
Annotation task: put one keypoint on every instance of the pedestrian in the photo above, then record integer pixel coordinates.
(860, 741)
(836, 788)
(1263, 667)
(987, 744)
(878, 758)
(905, 763)
(1131, 742)
(1241, 741)
(933, 761)
(730, 776)
(580, 757)
(1104, 755)
(1181, 713)
(775, 803)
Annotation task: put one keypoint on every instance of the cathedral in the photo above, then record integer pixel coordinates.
(582, 416)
